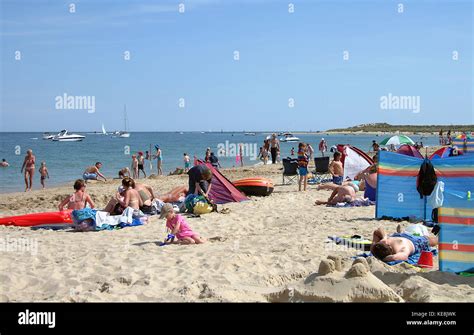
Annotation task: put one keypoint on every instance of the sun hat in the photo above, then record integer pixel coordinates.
(165, 210)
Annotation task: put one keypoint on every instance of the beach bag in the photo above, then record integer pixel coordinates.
(427, 179)
(191, 201)
(202, 208)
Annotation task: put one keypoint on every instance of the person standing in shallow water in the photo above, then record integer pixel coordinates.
(159, 160)
(29, 167)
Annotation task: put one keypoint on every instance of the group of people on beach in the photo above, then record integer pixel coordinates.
(445, 140)
(139, 200)
(28, 170)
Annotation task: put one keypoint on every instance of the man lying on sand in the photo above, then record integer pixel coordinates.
(399, 246)
(343, 193)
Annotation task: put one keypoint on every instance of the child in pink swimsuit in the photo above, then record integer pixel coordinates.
(178, 226)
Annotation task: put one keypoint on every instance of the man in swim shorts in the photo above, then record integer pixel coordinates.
(400, 246)
(92, 172)
(337, 169)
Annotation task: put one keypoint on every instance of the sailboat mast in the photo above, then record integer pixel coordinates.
(125, 116)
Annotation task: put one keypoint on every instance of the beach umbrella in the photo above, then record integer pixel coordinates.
(397, 140)
(463, 137)
(444, 152)
(409, 150)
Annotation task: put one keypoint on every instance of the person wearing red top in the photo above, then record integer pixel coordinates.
(302, 166)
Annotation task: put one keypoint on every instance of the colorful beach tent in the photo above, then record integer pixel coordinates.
(353, 159)
(464, 142)
(222, 190)
(409, 150)
(445, 152)
(397, 140)
(397, 196)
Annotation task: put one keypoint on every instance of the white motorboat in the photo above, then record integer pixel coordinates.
(289, 138)
(250, 134)
(64, 136)
(48, 136)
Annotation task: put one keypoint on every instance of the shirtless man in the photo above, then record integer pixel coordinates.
(400, 246)
(4, 163)
(336, 169)
(92, 172)
(29, 166)
(344, 193)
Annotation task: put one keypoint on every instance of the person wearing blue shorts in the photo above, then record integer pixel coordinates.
(400, 246)
(303, 161)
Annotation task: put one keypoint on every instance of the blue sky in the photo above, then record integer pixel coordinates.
(190, 55)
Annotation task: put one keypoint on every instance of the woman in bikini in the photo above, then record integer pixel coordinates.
(78, 199)
(132, 198)
(29, 166)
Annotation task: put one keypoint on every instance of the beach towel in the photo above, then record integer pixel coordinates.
(129, 214)
(355, 203)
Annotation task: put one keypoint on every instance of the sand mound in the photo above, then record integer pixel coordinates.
(357, 284)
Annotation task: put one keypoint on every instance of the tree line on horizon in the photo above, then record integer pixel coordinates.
(385, 127)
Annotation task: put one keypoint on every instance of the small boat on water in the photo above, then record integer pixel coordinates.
(287, 137)
(48, 136)
(124, 133)
(250, 134)
(103, 130)
(64, 136)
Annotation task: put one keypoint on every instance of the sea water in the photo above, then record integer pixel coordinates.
(66, 161)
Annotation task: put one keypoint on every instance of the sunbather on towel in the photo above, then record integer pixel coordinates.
(331, 186)
(340, 194)
(400, 246)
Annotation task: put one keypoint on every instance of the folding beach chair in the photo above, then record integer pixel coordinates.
(322, 174)
(290, 170)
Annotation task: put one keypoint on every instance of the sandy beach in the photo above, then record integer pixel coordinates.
(267, 249)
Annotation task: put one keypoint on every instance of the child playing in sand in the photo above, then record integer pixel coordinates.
(336, 169)
(178, 226)
(302, 166)
(134, 166)
(78, 199)
(43, 170)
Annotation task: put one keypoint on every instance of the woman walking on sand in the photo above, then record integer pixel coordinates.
(29, 166)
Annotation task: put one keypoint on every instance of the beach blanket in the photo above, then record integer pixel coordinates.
(93, 220)
(355, 203)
